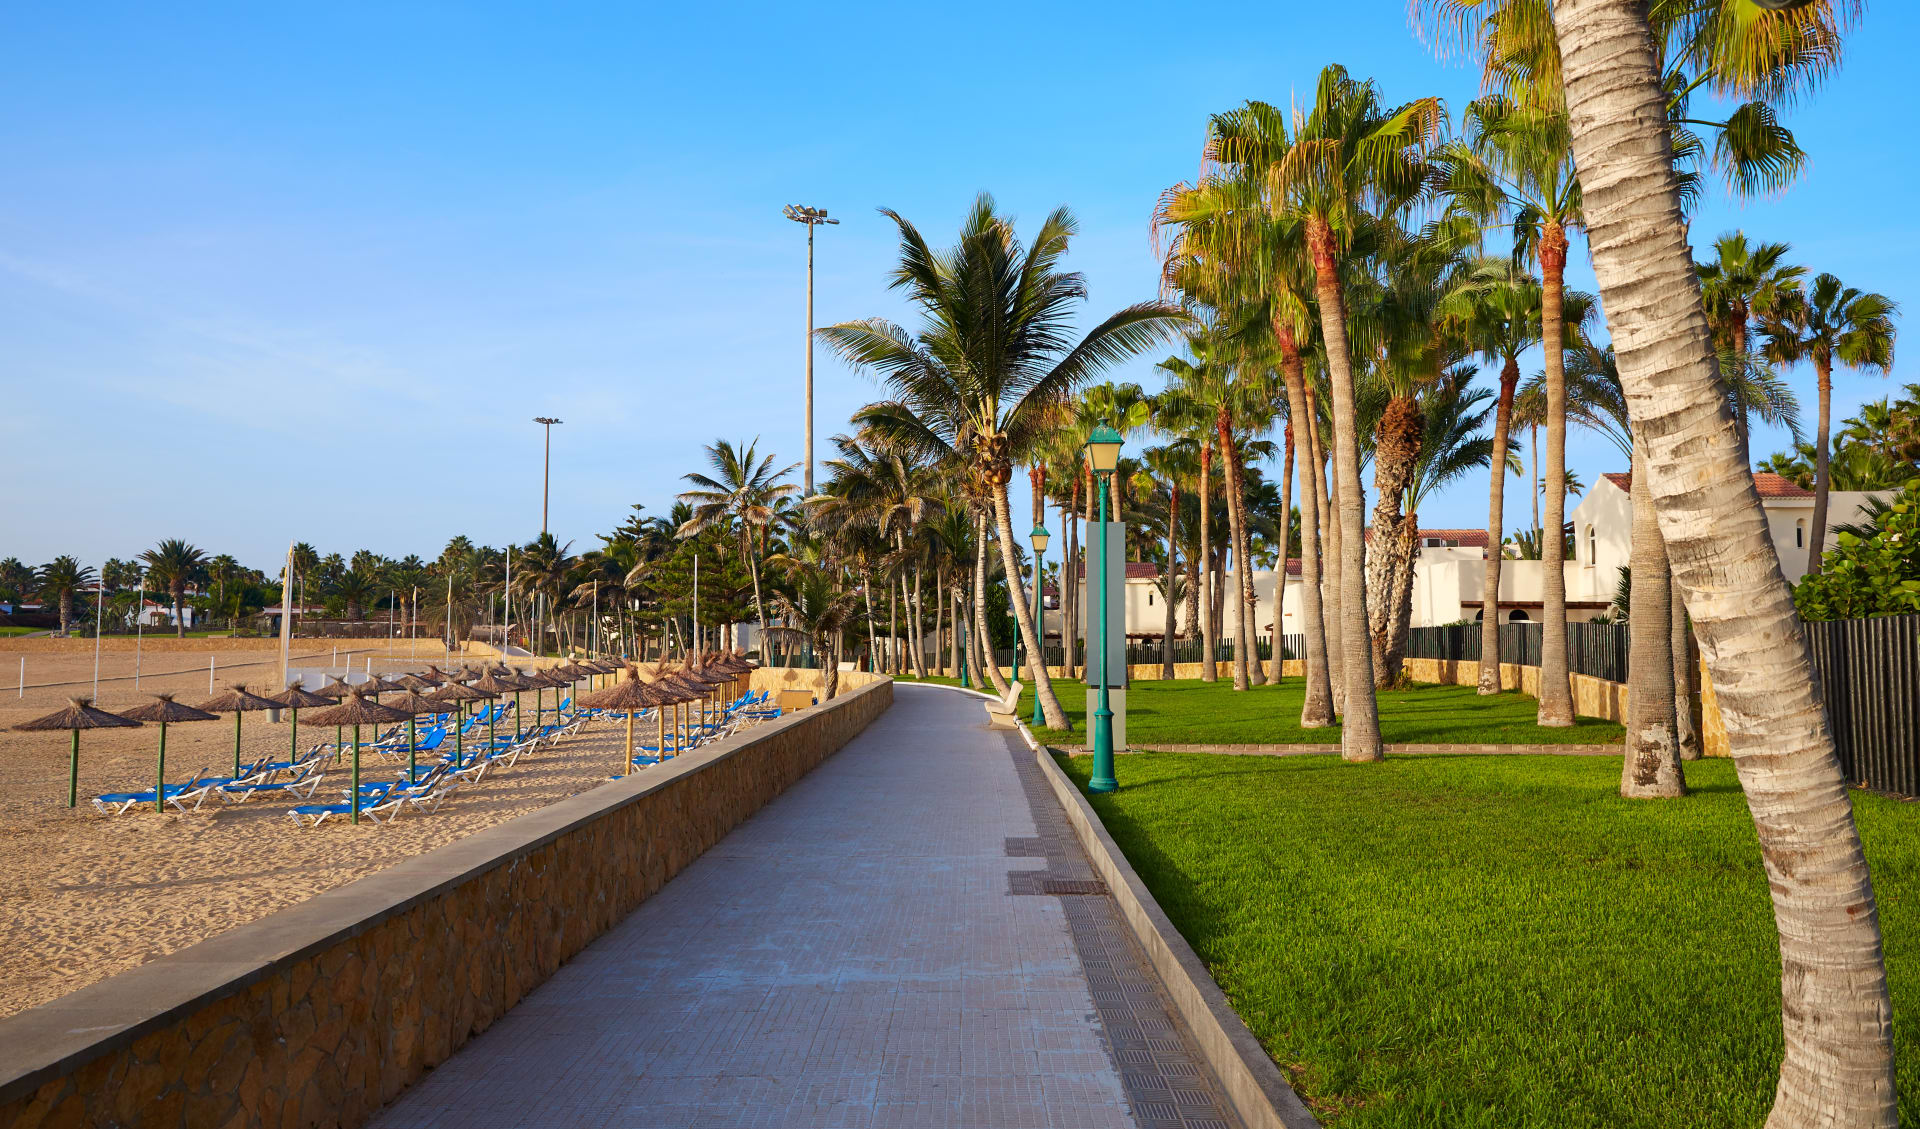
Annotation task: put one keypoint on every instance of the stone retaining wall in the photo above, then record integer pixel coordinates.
(321, 1013)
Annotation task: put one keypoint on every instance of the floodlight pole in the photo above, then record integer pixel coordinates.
(546, 465)
(812, 217)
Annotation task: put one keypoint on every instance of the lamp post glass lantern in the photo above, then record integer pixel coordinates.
(1040, 537)
(1103, 452)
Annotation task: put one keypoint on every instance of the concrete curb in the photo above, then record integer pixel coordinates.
(1411, 750)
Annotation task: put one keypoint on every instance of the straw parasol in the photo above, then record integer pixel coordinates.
(165, 711)
(357, 711)
(79, 714)
(416, 682)
(495, 687)
(296, 698)
(336, 689)
(236, 701)
(628, 696)
(413, 704)
(378, 685)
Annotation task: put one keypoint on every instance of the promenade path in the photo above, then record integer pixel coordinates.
(884, 945)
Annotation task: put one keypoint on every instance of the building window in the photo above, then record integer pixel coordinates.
(1593, 547)
(1149, 601)
(1517, 616)
(1800, 534)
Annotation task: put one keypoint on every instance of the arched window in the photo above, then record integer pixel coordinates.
(1593, 547)
(1518, 615)
(1800, 534)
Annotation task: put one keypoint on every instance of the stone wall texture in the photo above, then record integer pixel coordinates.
(320, 1014)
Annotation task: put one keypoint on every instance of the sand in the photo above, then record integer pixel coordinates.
(90, 895)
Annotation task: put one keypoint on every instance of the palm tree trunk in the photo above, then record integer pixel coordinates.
(1070, 587)
(1327, 483)
(893, 627)
(1685, 674)
(1360, 734)
(1316, 710)
(1172, 572)
(179, 590)
(1496, 521)
(918, 626)
(1280, 566)
(1837, 1018)
(1208, 671)
(1230, 492)
(1023, 613)
(1402, 594)
(1822, 481)
(983, 642)
(1651, 767)
(1397, 447)
(1556, 682)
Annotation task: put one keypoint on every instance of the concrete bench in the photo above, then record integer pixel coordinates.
(1004, 712)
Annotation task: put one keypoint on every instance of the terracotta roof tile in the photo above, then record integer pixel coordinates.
(1769, 485)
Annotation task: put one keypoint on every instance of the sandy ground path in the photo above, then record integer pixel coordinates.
(87, 895)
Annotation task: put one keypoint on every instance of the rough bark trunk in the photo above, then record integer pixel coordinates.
(1686, 668)
(1280, 566)
(982, 641)
(1172, 571)
(1651, 767)
(1556, 681)
(1070, 587)
(1822, 481)
(1316, 709)
(1402, 619)
(1837, 1069)
(1397, 446)
(1023, 615)
(917, 627)
(1236, 533)
(1360, 733)
(1208, 671)
(1330, 582)
(1496, 523)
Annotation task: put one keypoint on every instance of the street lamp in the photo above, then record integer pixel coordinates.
(1103, 452)
(812, 217)
(1039, 537)
(546, 466)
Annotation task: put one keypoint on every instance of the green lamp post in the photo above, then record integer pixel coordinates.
(1103, 452)
(1039, 537)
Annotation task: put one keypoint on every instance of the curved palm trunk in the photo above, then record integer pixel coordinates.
(1651, 767)
(1838, 1064)
(1209, 672)
(1023, 614)
(1317, 708)
(1330, 585)
(1556, 680)
(1173, 571)
(983, 642)
(1822, 481)
(917, 627)
(1496, 522)
(179, 593)
(1360, 733)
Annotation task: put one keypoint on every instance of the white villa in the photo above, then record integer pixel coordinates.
(1450, 570)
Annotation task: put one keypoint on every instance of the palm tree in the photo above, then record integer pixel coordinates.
(58, 580)
(1838, 1063)
(1352, 159)
(175, 564)
(888, 487)
(1515, 164)
(357, 586)
(1173, 465)
(981, 380)
(1453, 442)
(1182, 410)
(1830, 321)
(1743, 282)
(743, 495)
(16, 579)
(816, 611)
(221, 571)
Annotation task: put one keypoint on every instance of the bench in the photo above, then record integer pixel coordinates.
(1002, 713)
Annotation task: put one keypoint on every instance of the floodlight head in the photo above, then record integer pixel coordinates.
(548, 420)
(802, 213)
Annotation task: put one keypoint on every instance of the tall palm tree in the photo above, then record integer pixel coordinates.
(1830, 321)
(1453, 443)
(742, 492)
(1515, 164)
(1352, 159)
(1182, 409)
(1744, 282)
(992, 361)
(58, 580)
(16, 579)
(1173, 465)
(177, 565)
(357, 586)
(1838, 1063)
(887, 486)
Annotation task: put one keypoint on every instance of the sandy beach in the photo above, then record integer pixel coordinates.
(90, 895)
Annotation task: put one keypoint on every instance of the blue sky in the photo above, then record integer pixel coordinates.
(279, 272)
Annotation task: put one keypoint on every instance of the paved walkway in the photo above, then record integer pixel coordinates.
(908, 937)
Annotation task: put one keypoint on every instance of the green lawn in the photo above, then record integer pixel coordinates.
(1494, 941)
(6, 632)
(1191, 712)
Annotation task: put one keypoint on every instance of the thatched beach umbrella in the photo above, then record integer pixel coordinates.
(419, 682)
(236, 701)
(296, 698)
(546, 680)
(357, 711)
(377, 685)
(628, 696)
(495, 687)
(165, 711)
(336, 689)
(79, 714)
(456, 695)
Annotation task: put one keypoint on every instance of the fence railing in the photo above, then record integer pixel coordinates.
(1870, 673)
(1596, 649)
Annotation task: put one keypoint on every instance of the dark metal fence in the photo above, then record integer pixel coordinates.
(1596, 649)
(1870, 672)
